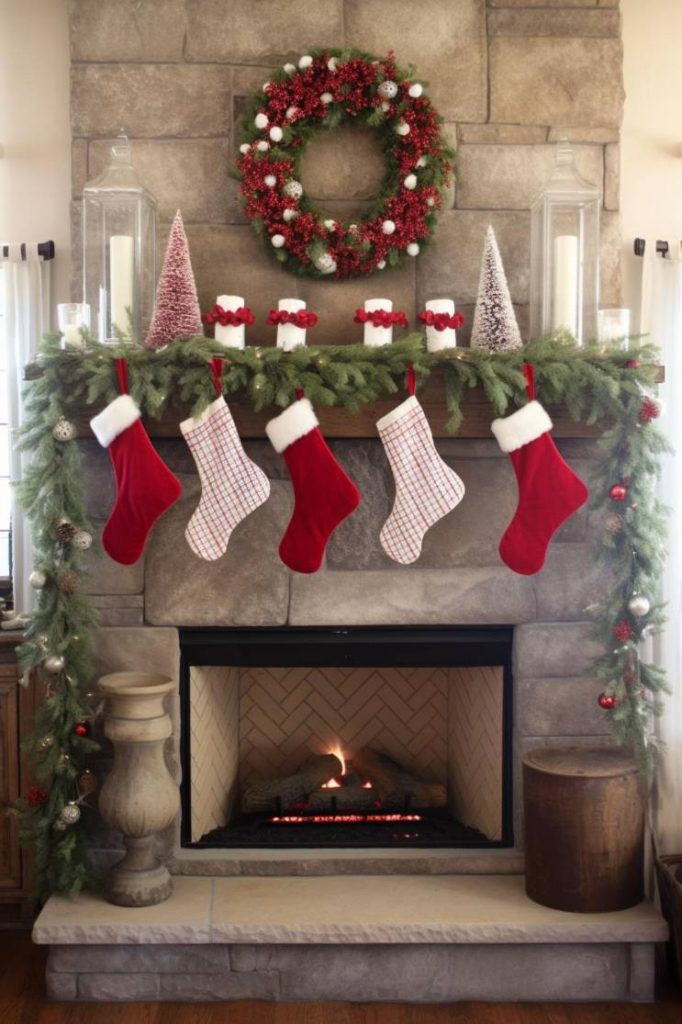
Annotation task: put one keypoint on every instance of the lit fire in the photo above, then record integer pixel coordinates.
(334, 783)
(344, 819)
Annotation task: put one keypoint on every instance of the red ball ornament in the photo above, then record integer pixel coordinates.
(618, 492)
(607, 701)
(82, 729)
(633, 364)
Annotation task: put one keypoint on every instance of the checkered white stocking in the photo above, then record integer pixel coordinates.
(426, 488)
(232, 486)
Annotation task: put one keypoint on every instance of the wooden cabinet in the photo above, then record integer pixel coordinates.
(17, 706)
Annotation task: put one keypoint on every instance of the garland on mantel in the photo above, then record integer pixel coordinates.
(592, 385)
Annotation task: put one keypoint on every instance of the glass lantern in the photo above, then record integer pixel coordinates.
(564, 252)
(119, 249)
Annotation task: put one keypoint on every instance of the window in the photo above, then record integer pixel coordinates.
(5, 535)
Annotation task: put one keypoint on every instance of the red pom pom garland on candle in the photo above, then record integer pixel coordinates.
(300, 318)
(328, 88)
(380, 318)
(229, 317)
(440, 321)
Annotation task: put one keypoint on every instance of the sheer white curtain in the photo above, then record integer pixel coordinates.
(661, 319)
(27, 318)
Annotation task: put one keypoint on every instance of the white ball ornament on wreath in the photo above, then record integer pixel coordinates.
(244, 148)
(327, 98)
(332, 64)
(270, 180)
(388, 227)
(55, 663)
(288, 215)
(305, 61)
(37, 579)
(330, 225)
(289, 69)
(415, 90)
(385, 106)
(388, 90)
(413, 249)
(639, 605)
(276, 134)
(291, 113)
(277, 241)
(410, 182)
(63, 430)
(82, 540)
(430, 201)
(325, 263)
(261, 120)
(402, 128)
(381, 265)
(421, 162)
(262, 146)
(70, 813)
(293, 189)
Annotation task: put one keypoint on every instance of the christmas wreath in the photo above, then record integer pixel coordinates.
(326, 89)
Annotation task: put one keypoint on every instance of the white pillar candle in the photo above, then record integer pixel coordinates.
(290, 336)
(376, 336)
(436, 341)
(72, 336)
(565, 284)
(232, 337)
(120, 280)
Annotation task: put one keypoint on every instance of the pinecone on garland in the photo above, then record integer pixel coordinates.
(69, 581)
(176, 310)
(65, 531)
(495, 328)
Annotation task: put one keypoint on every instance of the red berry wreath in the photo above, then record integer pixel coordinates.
(326, 89)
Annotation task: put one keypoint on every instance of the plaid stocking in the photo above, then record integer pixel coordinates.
(426, 489)
(232, 486)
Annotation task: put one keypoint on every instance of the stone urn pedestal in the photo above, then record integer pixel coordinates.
(139, 797)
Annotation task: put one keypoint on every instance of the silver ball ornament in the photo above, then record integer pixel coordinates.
(70, 813)
(639, 605)
(63, 430)
(37, 579)
(82, 540)
(388, 90)
(55, 663)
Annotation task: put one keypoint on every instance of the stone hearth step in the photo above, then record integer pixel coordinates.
(408, 938)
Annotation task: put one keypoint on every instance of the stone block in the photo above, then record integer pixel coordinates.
(344, 164)
(262, 32)
(610, 275)
(553, 3)
(119, 616)
(559, 81)
(612, 176)
(559, 707)
(144, 959)
(104, 576)
(79, 166)
(98, 478)
(544, 649)
(142, 649)
(150, 100)
(492, 177)
(502, 134)
(566, 21)
(455, 67)
(336, 302)
(426, 596)
(118, 988)
(580, 133)
(570, 582)
(248, 586)
(355, 545)
(451, 266)
(642, 972)
(124, 30)
(61, 986)
(195, 988)
(191, 175)
(233, 259)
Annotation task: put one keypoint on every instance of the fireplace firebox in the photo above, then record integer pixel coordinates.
(357, 737)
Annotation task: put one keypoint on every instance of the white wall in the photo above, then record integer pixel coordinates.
(651, 149)
(35, 149)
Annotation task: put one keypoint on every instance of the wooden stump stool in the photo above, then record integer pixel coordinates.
(584, 827)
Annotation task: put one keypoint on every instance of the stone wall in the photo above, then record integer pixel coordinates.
(509, 78)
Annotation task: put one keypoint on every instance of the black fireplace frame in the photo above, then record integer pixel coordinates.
(352, 646)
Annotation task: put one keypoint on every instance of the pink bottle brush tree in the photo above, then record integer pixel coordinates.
(176, 309)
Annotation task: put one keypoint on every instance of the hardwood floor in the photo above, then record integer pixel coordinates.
(22, 1001)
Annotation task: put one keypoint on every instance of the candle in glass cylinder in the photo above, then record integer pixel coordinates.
(565, 284)
(120, 280)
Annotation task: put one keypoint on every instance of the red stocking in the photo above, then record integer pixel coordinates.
(324, 495)
(549, 490)
(145, 487)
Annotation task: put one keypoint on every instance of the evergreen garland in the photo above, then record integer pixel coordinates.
(593, 386)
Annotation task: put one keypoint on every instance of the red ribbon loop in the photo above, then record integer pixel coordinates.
(217, 364)
(122, 373)
(440, 321)
(411, 379)
(302, 318)
(229, 317)
(380, 318)
(529, 374)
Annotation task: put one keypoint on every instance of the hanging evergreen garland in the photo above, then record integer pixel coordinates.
(592, 385)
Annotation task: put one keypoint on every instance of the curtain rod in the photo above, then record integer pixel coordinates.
(45, 249)
(661, 247)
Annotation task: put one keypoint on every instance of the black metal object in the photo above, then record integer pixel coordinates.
(45, 249)
(398, 647)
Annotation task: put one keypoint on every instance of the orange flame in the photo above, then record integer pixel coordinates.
(334, 783)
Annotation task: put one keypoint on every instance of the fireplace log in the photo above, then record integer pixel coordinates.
(345, 798)
(285, 792)
(394, 785)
